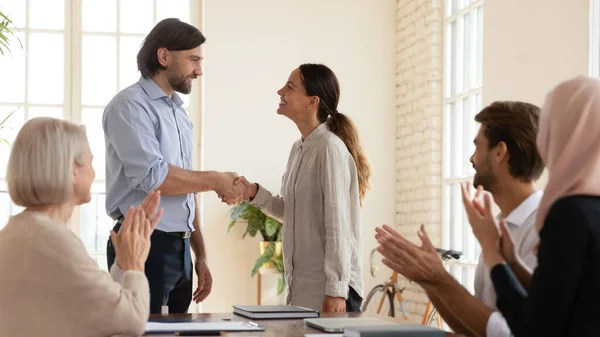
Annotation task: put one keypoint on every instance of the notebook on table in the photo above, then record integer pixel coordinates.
(339, 324)
(412, 330)
(274, 311)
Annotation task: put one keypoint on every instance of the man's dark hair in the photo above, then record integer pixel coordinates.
(515, 124)
(172, 34)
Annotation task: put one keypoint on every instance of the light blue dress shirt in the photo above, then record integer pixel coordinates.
(145, 131)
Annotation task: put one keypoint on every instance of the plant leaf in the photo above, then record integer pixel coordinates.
(271, 227)
(281, 285)
(7, 117)
(266, 257)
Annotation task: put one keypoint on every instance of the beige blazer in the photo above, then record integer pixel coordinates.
(50, 286)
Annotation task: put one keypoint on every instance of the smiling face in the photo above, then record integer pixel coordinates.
(483, 163)
(83, 177)
(294, 103)
(183, 67)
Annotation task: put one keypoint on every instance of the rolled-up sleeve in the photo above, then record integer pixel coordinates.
(335, 182)
(130, 130)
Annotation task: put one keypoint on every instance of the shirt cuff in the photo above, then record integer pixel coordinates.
(336, 289)
(262, 197)
(116, 273)
(497, 326)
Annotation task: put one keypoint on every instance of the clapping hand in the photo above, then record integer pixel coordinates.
(132, 242)
(483, 225)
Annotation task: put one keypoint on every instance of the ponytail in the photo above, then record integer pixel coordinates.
(320, 81)
(344, 128)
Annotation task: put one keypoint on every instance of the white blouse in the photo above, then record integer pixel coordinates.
(320, 210)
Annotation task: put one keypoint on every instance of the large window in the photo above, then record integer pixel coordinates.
(595, 37)
(76, 55)
(463, 47)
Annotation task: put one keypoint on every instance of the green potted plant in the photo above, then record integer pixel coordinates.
(271, 232)
(6, 34)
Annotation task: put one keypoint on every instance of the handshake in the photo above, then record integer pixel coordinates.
(233, 189)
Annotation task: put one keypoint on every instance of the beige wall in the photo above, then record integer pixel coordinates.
(530, 46)
(526, 52)
(251, 48)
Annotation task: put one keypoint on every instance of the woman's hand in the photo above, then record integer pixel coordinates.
(132, 242)
(334, 304)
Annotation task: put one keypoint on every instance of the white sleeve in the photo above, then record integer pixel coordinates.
(497, 326)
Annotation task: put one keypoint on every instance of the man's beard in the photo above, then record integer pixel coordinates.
(179, 83)
(486, 179)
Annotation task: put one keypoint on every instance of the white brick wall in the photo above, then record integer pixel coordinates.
(419, 50)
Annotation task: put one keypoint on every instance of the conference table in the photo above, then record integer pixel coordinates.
(273, 328)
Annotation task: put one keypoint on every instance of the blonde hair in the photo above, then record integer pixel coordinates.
(40, 167)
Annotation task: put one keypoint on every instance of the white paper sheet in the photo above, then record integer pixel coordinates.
(201, 326)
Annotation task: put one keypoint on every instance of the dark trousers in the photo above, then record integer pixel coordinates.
(168, 269)
(354, 301)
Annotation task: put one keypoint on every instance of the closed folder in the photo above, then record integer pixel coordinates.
(412, 330)
(274, 311)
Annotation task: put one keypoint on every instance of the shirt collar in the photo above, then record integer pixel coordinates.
(312, 138)
(518, 216)
(155, 92)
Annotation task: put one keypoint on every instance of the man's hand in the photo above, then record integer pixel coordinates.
(334, 304)
(230, 192)
(248, 189)
(418, 264)
(204, 281)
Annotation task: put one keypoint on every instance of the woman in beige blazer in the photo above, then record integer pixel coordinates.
(49, 285)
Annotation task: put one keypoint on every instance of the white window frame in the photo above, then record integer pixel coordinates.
(594, 57)
(72, 105)
(460, 128)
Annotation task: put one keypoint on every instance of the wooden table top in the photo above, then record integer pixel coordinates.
(273, 328)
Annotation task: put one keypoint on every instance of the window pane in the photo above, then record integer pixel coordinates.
(446, 216)
(46, 69)
(15, 10)
(136, 16)
(458, 44)
(36, 111)
(5, 205)
(450, 7)
(467, 60)
(479, 42)
(94, 223)
(8, 132)
(47, 14)
(447, 142)
(456, 218)
(457, 140)
(99, 15)
(468, 135)
(99, 79)
(129, 47)
(173, 9)
(12, 66)
(449, 61)
(92, 119)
